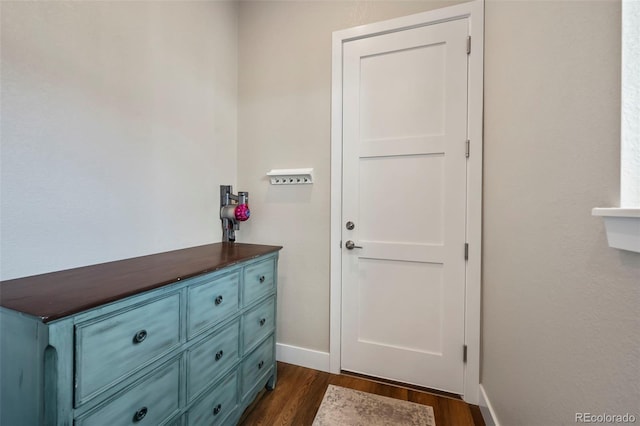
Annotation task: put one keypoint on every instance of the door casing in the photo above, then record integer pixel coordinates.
(474, 12)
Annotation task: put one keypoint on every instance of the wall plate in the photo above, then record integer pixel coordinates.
(291, 176)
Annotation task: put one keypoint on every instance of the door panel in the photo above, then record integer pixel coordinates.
(417, 174)
(387, 312)
(404, 187)
(386, 96)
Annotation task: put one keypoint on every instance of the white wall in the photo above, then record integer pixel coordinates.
(630, 161)
(284, 122)
(561, 331)
(561, 328)
(118, 125)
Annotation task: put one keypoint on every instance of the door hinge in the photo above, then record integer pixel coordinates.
(466, 151)
(468, 45)
(466, 251)
(464, 353)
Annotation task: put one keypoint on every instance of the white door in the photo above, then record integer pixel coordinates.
(404, 189)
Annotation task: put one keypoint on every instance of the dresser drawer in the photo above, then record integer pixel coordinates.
(109, 348)
(258, 323)
(256, 365)
(177, 422)
(218, 405)
(209, 360)
(212, 301)
(258, 281)
(150, 402)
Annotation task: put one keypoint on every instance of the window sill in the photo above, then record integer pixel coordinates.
(623, 227)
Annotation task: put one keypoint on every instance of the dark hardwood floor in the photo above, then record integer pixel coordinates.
(299, 392)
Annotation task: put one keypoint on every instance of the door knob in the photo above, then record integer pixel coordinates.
(350, 245)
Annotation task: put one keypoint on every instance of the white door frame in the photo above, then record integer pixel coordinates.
(474, 12)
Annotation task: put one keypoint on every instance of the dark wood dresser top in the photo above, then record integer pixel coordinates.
(59, 294)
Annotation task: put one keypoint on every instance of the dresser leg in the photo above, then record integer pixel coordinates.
(271, 383)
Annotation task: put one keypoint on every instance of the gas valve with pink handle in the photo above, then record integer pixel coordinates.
(233, 209)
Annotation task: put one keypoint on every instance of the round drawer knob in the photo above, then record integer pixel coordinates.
(260, 365)
(218, 300)
(217, 409)
(140, 414)
(139, 337)
(262, 278)
(262, 321)
(219, 355)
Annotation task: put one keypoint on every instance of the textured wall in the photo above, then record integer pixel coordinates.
(284, 86)
(561, 330)
(630, 163)
(118, 125)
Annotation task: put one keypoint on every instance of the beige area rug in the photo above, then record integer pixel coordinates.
(347, 407)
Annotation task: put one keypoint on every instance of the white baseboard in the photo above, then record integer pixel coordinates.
(488, 414)
(303, 357)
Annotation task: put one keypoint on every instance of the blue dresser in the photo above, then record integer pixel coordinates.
(178, 338)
